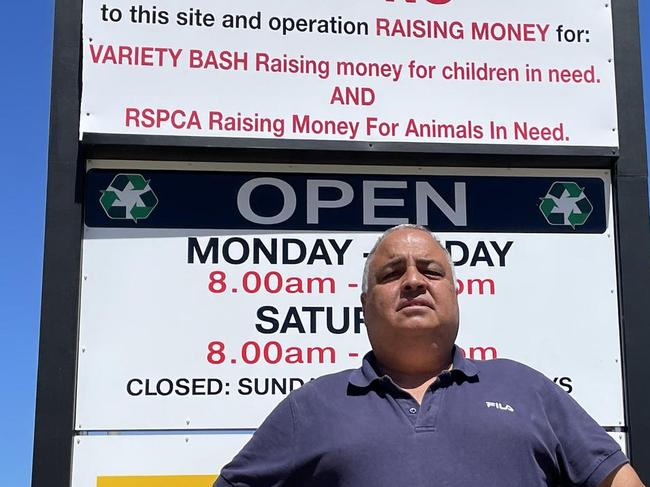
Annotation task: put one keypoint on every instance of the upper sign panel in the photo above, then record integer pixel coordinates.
(418, 71)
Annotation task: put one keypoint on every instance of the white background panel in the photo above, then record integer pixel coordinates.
(584, 113)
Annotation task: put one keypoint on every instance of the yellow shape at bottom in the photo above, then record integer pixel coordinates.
(157, 481)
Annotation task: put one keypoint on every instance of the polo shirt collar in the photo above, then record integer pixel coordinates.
(367, 373)
(462, 365)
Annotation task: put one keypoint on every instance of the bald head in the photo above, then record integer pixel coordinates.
(366, 267)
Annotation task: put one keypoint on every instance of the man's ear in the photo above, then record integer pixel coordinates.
(363, 300)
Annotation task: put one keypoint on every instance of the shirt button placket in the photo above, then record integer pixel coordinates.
(411, 409)
(426, 420)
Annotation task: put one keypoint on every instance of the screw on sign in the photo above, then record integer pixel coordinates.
(565, 204)
(128, 197)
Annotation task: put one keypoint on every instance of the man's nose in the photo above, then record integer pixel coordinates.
(413, 279)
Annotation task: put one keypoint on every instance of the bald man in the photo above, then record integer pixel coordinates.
(417, 413)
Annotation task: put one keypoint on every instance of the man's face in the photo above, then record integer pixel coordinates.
(411, 291)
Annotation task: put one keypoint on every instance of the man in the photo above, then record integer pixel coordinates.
(419, 414)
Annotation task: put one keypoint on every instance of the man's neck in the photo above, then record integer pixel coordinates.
(414, 370)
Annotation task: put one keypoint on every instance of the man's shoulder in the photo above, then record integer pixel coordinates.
(512, 380)
(325, 384)
(503, 369)
(504, 365)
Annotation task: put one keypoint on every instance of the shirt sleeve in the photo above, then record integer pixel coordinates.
(267, 460)
(586, 454)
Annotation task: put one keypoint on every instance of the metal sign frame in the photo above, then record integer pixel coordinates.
(55, 429)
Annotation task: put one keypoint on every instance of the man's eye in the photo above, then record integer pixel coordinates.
(390, 275)
(433, 273)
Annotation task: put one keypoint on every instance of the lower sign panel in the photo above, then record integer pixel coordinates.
(156, 481)
(161, 460)
(152, 460)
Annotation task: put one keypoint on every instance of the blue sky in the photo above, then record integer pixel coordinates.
(26, 37)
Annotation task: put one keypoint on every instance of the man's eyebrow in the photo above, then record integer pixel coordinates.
(395, 260)
(422, 261)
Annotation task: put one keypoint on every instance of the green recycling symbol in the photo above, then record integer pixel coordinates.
(128, 197)
(566, 204)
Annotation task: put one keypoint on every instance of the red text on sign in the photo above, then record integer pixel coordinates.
(272, 282)
(271, 353)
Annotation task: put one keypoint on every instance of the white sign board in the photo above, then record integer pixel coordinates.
(160, 460)
(199, 328)
(457, 72)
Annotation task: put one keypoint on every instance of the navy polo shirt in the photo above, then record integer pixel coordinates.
(485, 423)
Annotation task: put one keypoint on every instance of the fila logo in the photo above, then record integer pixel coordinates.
(499, 406)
